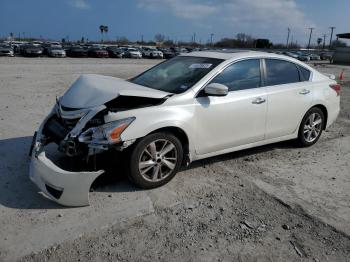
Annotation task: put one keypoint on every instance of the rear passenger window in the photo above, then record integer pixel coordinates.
(305, 74)
(280, 72)
(241, 75)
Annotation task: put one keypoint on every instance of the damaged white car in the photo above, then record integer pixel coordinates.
(190, 107)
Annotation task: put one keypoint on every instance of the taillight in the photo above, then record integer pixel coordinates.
(336, 88)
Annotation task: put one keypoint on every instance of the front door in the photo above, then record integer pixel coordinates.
(239, 118)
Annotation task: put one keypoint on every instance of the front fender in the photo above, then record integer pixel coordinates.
(150, 119)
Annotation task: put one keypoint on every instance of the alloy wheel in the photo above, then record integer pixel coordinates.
(312, 127)
(158, 160)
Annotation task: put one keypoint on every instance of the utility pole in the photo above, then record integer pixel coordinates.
(330, 40)
(211, 39)
(194, 37)
(311, 29)
(141, 38)
(288, 37)
(324, 41)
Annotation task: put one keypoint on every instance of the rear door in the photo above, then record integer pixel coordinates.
(289, 94)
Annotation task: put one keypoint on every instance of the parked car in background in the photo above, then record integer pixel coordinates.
(47, 45)
(77, 51)
(184, 109)
(314, 56)
(67, 46)
(31, 50)
(56, 51)
(16, 45)
(151, 52)
(97, 52)
(183, 50)
(167, 52)
(55, 44)
(179, 50)
(291, 54)
(303, 56)
(6, 50)
(326, 56)
(114, 51)
(38, 43)
(131, 52)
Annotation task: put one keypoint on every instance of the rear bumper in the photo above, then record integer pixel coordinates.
(64, 187)
(332, 116)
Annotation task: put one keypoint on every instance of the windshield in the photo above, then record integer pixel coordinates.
(178, 74)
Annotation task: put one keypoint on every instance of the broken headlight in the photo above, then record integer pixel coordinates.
(106, 134)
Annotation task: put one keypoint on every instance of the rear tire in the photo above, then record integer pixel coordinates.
(155, 159)
(311, 127)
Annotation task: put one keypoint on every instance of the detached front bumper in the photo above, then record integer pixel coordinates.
(64, 187)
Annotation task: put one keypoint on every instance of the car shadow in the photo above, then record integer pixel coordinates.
(17, 191)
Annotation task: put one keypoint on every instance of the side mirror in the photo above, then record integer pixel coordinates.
(216, 89)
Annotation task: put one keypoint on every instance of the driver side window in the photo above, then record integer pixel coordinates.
(241, 75)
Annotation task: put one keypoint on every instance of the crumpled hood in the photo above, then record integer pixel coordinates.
(95, 90)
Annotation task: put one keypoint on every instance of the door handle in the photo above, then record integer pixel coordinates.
(304, 92)
(259, 100)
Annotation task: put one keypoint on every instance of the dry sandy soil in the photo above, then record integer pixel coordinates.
(272, 203)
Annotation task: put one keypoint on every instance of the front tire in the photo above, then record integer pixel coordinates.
(155, 160)
(311, 127)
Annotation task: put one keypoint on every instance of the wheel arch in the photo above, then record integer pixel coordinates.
(324, 111)
(181, 135)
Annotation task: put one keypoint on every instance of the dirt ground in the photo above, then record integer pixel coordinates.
(272, 203)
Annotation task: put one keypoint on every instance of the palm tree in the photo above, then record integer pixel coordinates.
(105, 29)
(102, 27)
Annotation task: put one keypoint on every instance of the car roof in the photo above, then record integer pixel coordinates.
(232, 54)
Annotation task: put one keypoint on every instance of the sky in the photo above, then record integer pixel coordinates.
(176, 19)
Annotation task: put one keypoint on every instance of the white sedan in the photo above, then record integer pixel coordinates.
(191, 107)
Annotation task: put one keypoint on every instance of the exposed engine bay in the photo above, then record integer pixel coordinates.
(75, 130)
